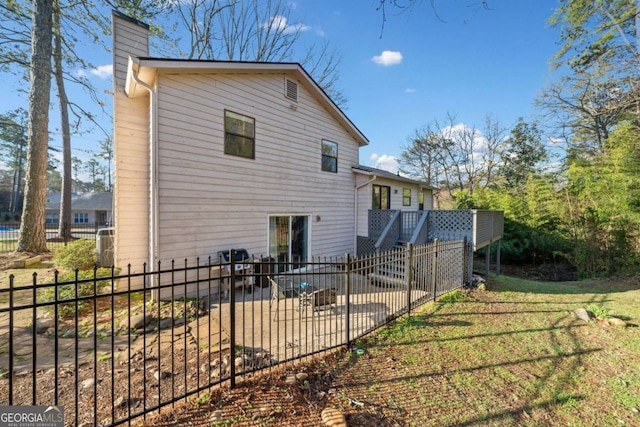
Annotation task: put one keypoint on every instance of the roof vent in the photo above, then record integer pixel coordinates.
(291, 89)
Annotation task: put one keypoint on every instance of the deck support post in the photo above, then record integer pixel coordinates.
(498, 258)
(487, 259)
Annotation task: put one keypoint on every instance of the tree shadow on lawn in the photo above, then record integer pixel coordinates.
(590, 286)
(555, 368)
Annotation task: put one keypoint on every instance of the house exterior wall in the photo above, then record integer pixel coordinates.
(428, 199)
(210, 201)
(131, 151)
(396, 203)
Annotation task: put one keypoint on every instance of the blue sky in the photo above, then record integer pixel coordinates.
(413, 71)
(477, 62)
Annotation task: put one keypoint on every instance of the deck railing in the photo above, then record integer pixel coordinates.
(480, 227)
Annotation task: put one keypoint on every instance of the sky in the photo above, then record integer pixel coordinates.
(470, 63)
(418, 67)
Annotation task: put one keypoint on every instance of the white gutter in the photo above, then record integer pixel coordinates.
(355, 224)
(153, 169)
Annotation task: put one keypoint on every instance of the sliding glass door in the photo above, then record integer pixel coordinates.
(289, 241)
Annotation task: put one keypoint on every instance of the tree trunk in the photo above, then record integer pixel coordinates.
(64, 225)
(32, 231)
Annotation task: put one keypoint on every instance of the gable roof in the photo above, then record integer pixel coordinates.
(143, 71)
(368, 170)
(83, 202)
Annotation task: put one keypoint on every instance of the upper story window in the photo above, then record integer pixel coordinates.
(239, 135)
(381, 197)
(406, 197)
(329, 156)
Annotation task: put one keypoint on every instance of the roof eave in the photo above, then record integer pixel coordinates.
(145, 70)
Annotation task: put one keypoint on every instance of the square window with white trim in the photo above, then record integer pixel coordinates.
(239, 135)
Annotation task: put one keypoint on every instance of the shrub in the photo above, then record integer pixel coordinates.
(79, 254)
(598, 311)
(451, 297)
(68, 291)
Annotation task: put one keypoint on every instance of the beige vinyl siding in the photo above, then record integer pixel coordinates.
(211, 201)
(131, 152)
(428, 199)
(364, 205)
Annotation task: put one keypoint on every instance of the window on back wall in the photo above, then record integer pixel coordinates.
(329, 156)
(406, 197)
(239, 135)
(52, 218)
(81, 217)
(381, 197)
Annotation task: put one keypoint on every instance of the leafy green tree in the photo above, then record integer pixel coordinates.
(523, 154)
(598, 32)
(601, 205)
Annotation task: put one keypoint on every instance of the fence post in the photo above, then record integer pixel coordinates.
(469, 250)
(435, 269)
(466, 260)
(232, 318)
(10, 375)
(347, 291)
(408, 274)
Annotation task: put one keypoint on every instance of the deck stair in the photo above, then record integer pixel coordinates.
(391, 270)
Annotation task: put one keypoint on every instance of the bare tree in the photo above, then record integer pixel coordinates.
(385, 7)
(256, 30)
(493, 135)
(585, 108)
(32, 232)
(453, 156)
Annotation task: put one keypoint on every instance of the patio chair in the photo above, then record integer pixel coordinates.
(319, 299)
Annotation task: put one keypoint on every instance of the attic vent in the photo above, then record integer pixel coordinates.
(291, 89)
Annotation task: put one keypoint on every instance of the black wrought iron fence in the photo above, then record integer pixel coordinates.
(118, 347)
(10, 231)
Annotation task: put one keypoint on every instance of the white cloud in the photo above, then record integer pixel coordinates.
(409, 90)
(280, 23)
(385, 162)
(387, 58)
(102, 71)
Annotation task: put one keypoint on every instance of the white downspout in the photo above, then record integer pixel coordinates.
(153, 172)
(355, 234)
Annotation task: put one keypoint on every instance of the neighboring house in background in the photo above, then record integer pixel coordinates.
(87, 208)
(212, 155)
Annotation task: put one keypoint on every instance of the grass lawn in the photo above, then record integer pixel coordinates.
(514, 355)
